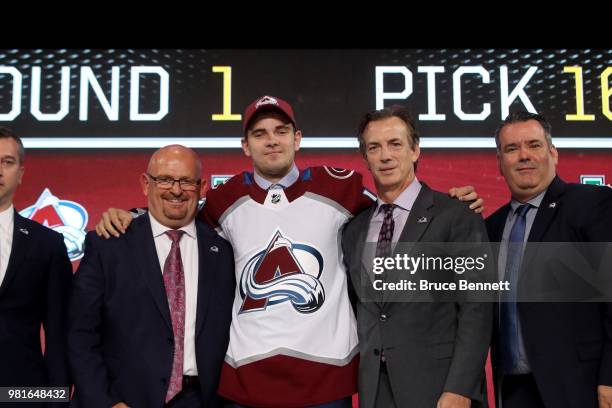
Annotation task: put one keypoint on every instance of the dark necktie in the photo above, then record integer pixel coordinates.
(385, 237)
(509, 313)
(174, 281)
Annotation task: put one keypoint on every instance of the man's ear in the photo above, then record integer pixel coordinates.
(144, 183)
(203, 187)
(245, 146)
(365, 159)
(21, 171)
(416, 153)
(554, 153)
(297, 140)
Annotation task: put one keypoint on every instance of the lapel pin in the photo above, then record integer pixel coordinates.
(422, 220)
(214, 248)
(552, 205)
(24, 231)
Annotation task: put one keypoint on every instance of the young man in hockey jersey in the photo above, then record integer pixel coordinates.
(293, 339)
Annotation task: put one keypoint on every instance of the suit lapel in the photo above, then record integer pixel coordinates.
(543, 220)
(419, 219)
(19, 249)
(547, 211)
(207, 267)
(360, 239)
(145, 254)
(420, 216)
(362, 228)
(362, 275)
(496, 229)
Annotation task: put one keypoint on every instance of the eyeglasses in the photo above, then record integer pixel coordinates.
(167, 183)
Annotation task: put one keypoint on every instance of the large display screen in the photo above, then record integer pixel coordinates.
(200, 94)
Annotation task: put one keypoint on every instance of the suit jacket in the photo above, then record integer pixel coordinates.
(568, 345)
(34, 291)
(120, 341)
(429, 347)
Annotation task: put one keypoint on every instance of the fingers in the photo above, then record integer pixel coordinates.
(469, 197)
(101, 231)
(116, 221)
(465, 193)
(108, 224)
(125, 218)
(477, 206)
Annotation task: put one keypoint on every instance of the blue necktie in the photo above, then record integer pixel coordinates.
(509, 314)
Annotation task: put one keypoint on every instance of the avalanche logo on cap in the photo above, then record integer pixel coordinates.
(66, 217)
(266, 100)
(283, 272)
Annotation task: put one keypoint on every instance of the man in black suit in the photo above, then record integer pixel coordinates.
(547, 354)
(413, 354)
(150, 311)
(35, 275)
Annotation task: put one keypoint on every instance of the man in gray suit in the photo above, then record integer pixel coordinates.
(413, 354)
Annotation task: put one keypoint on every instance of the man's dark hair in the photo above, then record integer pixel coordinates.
(6, 133)
(524, 116)
(393, 111)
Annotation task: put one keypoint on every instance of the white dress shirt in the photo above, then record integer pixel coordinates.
(285, 182)
(7, 220)
(404, 203)
(189, 257)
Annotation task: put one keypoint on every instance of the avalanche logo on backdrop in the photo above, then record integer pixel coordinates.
(66, 217)
(283, 272)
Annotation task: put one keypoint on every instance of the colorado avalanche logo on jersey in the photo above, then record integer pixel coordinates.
(66, 217)
(283, 272)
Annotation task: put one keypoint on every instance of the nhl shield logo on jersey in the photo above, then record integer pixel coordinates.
(66, 217)
(283, 272)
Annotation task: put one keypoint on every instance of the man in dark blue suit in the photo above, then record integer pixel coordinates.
(150, 311)
(35, 276)
(547, 354)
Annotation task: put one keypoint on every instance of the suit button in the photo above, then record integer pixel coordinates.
(170, 340)
(164, 380)
(376, 352)
(383, 317)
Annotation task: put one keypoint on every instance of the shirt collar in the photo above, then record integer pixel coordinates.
(535, 202)
(6, 217)
(286, 181)
(406, 198)
(159, 229)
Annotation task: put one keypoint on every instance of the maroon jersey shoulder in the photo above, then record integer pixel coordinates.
(218, 200)
(343, 186)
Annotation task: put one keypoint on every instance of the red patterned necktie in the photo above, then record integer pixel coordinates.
(385, 237)
(174, 281)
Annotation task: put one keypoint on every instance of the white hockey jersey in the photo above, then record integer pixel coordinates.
(293, 337)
